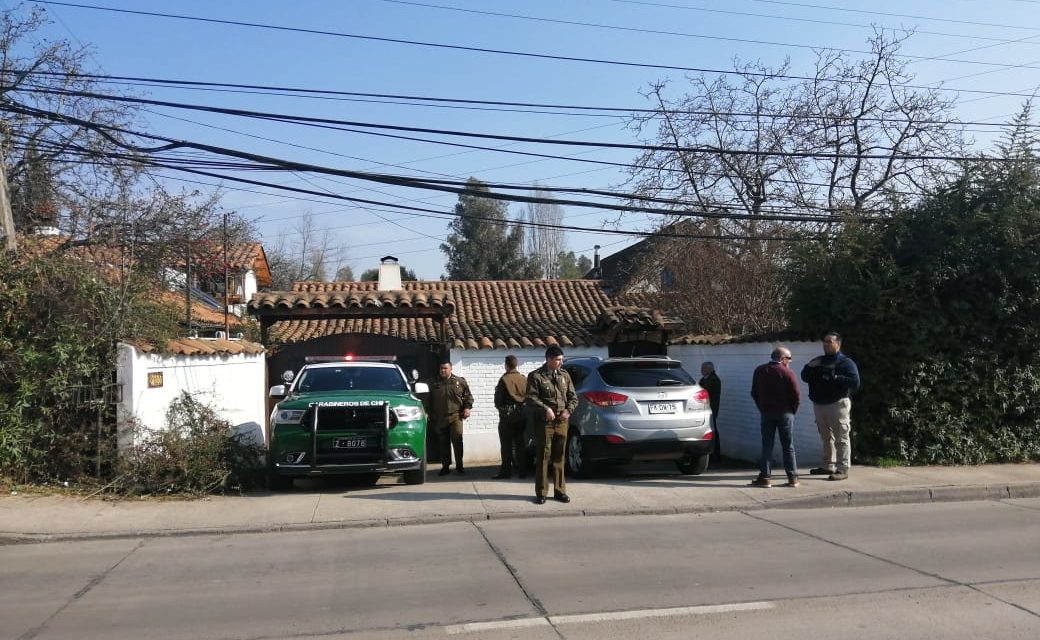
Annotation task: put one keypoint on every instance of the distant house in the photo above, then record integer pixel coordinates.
(647, 267)
(210, 361)
(247, 272)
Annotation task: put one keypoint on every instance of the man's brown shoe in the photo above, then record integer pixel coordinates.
(838, 475)
(793, 482)
(761, 482)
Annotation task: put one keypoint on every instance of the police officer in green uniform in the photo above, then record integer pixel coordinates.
(509, 399)
(551, 398)
(447, 405)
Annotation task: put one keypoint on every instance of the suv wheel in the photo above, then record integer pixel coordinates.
(693, 465)
(576, 462)
(416, 476)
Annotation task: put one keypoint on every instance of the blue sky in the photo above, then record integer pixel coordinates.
(986, 36)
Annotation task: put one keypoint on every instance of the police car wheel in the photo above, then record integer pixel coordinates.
(416, 476)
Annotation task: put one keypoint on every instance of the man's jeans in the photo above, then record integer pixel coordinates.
(784, 425)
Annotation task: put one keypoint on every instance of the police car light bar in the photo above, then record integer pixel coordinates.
(350, 358)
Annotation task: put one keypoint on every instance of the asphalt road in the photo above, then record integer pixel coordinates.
(944, 570)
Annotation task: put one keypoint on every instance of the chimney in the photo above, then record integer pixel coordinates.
(595, 262)
(389, 274)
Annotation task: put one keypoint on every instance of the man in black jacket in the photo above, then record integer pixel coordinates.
(711, 383)
(832, 378)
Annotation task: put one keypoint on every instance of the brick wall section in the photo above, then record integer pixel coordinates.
(738, 422)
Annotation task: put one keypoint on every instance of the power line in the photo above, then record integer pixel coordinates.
(896, 15)
(807, 20)
(314, 121)
(504, 52)
(662, 32)
(608, 111)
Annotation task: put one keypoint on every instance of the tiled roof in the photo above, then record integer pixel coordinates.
(250, 255)
(716, 339)
(204, 346)
(240, 256)
(108, 261)
(321, 295)
(201, 314)
(480, 314)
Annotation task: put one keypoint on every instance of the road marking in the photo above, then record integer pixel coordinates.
(499, 624)
(635, 614)
(661, 613)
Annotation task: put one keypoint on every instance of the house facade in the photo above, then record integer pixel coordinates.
(474, 324)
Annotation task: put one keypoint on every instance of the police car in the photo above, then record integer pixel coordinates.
(347, 415)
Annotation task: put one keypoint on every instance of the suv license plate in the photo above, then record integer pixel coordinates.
(350, 443)
(662, 407)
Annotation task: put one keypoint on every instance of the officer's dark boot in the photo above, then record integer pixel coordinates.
(445, 470)
(504, 473)
(457, 446)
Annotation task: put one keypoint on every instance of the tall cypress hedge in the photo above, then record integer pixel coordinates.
(940, 307)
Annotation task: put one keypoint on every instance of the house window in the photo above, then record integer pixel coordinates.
(667, 279)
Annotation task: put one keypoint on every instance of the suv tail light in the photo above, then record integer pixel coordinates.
(701, 396)
(605, 398)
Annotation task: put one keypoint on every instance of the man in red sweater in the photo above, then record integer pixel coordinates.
(774, 388)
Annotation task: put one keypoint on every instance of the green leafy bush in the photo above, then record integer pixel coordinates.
(59, 325)
(197, 453)
(938, 307)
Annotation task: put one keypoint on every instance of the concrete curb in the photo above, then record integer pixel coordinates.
(836, 499)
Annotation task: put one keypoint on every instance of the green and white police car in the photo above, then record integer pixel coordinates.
(347, 415)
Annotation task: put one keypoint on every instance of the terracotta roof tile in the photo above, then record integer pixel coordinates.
(481, 314)
(203, 346)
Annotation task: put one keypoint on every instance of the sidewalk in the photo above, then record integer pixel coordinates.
(655, 489)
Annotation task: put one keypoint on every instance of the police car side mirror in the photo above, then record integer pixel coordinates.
(277, 391)
(422, 387)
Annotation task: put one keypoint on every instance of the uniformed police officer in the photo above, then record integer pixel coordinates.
(447, 405)
(509, 400)
(551, 398)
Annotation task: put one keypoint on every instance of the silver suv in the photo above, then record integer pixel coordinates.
(637, 409)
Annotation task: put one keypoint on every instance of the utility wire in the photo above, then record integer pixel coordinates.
(504, 52)
(897, 15)
(310, 120)
(774, 16)
(599, 111)
(661, 32)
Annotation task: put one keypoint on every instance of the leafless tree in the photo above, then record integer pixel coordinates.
(772, 152)
(850, 139)
(545, 243)
(307, 252)
(56, 157)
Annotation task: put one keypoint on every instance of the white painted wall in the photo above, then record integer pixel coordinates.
(482, 369)
(738, 422)
(233, 384)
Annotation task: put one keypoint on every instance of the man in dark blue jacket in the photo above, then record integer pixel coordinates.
(775, 390)
(832, 378)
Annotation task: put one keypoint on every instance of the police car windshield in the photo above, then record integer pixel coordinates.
(350, 378)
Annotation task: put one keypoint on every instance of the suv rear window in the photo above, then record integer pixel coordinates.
(644, 374)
